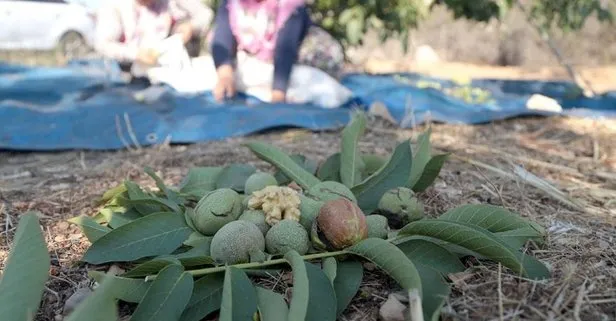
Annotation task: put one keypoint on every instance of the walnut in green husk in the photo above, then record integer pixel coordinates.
(285, 236)
(216, 209)
(401, 207)
(259, 181)
(340, 224)
(377, 226)
(277, 202)
(329, 191)
(309, 210)
(238, 242)
(257, 217)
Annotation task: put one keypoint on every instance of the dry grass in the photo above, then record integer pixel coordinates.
(577, 156)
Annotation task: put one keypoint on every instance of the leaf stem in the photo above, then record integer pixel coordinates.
(218, 269)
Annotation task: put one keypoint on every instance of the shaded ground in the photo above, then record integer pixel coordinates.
(578, 156)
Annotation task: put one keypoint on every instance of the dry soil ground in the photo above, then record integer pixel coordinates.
(577, 156)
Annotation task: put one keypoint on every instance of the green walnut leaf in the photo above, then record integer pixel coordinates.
(373, 163)
(329, 170)
(167, 297)
(145, 203)
(351, 163)
(171, 194)
(435, 291)
(422, 157)
(117, 217)
(150, 267)
(431, 255)
(199, 181)
(349, 275)
(124, 289)
(517, 238)
(314, 298)
(432, 262)
(272, 306)
(330, 266)
(430, 173)
(152, 235)
(239, 297)
(92, 230)
(234, 176)
(25, 272)
(196, 239)
(206, 297)
(283, 162)
(196, 256)
(394, 174)
(111, 194)
(306, 163)
(390, 259)
(99, 306)
(479, 240)
(490, 217)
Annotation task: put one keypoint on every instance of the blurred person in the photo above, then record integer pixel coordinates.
(126, 29)
(275, 31)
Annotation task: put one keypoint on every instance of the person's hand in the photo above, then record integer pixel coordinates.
(278, 96)
(185, 30)
(225, 88)
(147, 56)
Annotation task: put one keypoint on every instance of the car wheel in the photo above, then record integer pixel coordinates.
(71, 45)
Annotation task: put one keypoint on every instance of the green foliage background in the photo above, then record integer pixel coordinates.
(349, 20)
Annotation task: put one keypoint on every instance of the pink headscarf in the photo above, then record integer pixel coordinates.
(255, 24)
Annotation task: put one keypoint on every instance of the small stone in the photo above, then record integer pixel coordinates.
(75, 237)
(604, 245)
(115, 270)
(51, 299)
(392, 310)
(63, 225)
(58, 317)
(75, 299)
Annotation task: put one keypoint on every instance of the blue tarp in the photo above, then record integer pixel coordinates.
(85, 105)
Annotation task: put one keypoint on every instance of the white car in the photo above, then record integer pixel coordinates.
(65, 26)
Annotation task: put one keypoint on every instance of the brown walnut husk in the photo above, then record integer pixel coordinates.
(340, 224)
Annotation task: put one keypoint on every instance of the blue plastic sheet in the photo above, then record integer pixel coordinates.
(405, 99)
(86, 105)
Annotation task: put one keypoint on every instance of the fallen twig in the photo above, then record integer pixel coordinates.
(415, 309)
(501, 309)
(121, 135)
(528, 160)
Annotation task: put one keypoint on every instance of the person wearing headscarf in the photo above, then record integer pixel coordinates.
(126, 29)
(275, 31)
